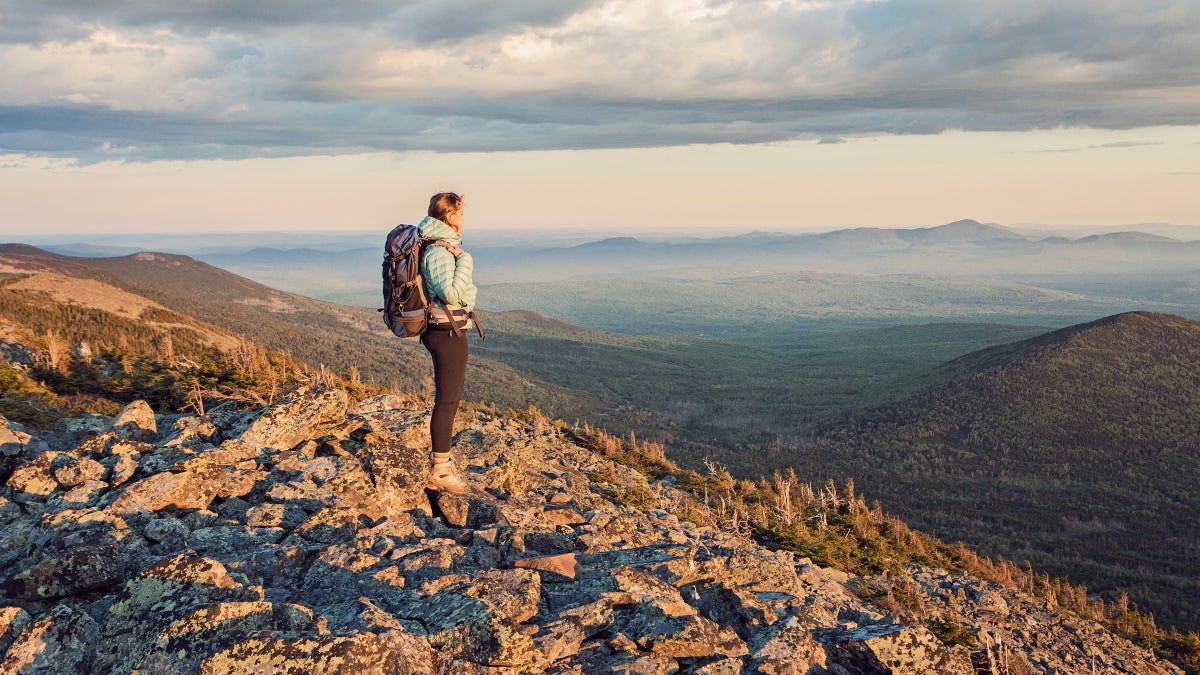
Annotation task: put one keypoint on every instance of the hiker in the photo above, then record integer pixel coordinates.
(446, 269)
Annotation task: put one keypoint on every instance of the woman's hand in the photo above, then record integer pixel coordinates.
(455, 250)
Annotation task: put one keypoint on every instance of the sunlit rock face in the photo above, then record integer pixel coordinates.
(300, 538)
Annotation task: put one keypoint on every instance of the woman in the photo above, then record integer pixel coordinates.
(446, 269)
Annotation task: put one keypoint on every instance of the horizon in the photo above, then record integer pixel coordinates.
(185, 241)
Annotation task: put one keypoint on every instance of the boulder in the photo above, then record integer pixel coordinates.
(13, 621)
(12, 442)
(34, 482)
(87, 493)
(168, 531)
(62, 641)
(895, 648)
(70, 471)
(510, 593)
(359, 654)
(398, 468)
(165, 592)
(203, 631)
(222, 472)
(188, 430)
(72, 572)
(136, 422)
(791, 650)
(302, 417)
(679, 635)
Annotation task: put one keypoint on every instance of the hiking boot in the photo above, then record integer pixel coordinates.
(445, 476)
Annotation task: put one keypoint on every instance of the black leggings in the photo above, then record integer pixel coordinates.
(449, 374)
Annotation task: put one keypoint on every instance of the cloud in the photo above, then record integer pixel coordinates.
(1107, 146)
(225, 78)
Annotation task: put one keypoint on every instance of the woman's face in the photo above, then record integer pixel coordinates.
(454, 219)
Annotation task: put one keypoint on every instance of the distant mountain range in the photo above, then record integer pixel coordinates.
(962, 248)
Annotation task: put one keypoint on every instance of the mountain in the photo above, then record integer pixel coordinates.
(959, 231)
(1128, 238)
(963, 248)
(656, 385)
(181, 292)
(1078, 449)
(838, 527)
(1099, 382)
(299, 538)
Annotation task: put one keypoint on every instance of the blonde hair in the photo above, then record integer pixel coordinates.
(443, 204)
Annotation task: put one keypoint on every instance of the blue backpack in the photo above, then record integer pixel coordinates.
(405, 302)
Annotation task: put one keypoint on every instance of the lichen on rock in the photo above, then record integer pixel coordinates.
(299, 538)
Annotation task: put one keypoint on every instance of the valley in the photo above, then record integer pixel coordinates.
(818, 371)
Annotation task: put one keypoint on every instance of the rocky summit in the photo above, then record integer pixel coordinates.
(299, 538)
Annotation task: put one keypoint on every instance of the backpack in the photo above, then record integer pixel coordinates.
(405, 303)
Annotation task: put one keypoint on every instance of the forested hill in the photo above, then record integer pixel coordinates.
(1078, 450)
(129, 303)
(1120, 387)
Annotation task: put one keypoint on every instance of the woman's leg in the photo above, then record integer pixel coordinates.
(449, 354)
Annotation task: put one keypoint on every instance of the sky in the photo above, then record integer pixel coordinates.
(220, 115)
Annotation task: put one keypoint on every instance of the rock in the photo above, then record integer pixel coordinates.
(792, 650)
(992, 602)
(136, 422)
(466, 510)
(73, 572)
(147, 604)
(170, 532)
(12, 447)
(360, 654)
(333, 525)
(188, 430)
(635, 664)
(559, 640)
(314, 548)
(509, 593)
(720, 666)
(398, 471)
(59, 642)
(163, 490)
(12, 442)
(563, 565)
(13, 621)
(70, 471)
(34, 482)
(195, 482)
(286, 516)
(225, 540)
(896, 649)
(287, 424)
(124, 467)
(87, 493)
(680, 635)
(203, 631)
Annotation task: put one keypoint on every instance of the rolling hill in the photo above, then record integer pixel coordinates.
(217, 307)
(1078, 450)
